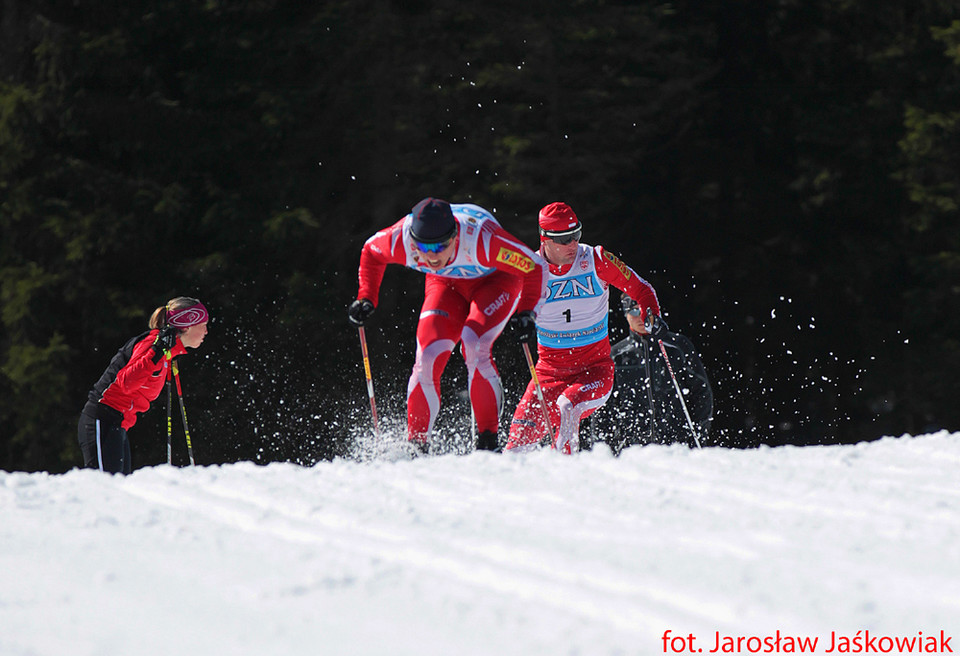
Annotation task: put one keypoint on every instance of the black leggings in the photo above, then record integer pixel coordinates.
(103, 442)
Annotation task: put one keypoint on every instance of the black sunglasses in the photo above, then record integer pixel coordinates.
(563, 238)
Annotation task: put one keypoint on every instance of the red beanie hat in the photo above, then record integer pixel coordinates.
(557, 220)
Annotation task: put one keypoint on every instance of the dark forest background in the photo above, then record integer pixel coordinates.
(785, 172)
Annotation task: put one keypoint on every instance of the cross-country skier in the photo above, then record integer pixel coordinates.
(646, 408)
(574, 368)
(477, 276)
(133, 380)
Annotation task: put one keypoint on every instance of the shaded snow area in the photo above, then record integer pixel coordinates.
(489, 554)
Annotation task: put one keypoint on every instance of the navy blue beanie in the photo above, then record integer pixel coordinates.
(433, 221)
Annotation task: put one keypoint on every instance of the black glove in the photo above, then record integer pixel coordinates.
(656, 325)
(629, 305)
(165, 341)
(360, 310)
(524, 326)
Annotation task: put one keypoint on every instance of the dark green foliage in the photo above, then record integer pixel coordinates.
(784, 173)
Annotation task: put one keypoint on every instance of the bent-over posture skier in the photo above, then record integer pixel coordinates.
(477, 276)
(133, 380)
(574, 368)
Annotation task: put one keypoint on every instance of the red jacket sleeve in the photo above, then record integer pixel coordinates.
(140, 368)
(613, 271)
(507, 253)
(383, 248)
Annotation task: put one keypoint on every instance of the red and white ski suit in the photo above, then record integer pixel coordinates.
(470, 299)
(574, 368)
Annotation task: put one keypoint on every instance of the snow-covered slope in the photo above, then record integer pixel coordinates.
(487, 554)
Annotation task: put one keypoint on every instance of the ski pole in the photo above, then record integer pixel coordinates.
(169, 422)
(648, 324)
(536, 384)
(366, 369)
(653, 407)
(676, 385)
(183, 410)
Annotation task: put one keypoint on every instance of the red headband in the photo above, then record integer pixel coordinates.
(191, 316)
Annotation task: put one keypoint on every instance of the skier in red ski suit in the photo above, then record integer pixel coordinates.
(133, 380)
(477, 276)
(574, 367)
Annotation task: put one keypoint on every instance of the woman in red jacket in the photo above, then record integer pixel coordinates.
(134, 378)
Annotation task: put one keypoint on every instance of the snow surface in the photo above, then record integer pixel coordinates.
(485, 553)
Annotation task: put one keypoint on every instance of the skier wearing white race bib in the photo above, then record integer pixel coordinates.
(574, 368)
(477, 276)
